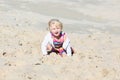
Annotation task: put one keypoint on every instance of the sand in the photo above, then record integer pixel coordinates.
(97, 49)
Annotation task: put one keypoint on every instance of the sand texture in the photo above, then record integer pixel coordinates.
(95, 37)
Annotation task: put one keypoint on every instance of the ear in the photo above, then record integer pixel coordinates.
(47, 29)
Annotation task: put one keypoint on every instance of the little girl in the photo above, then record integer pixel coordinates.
(56, 40)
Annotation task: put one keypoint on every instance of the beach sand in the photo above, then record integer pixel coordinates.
(94, 36)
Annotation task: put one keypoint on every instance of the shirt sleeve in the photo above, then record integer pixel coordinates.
(44, 44)
(66, 46)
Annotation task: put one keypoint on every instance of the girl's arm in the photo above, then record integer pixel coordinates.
(44, 44)
(66, 45)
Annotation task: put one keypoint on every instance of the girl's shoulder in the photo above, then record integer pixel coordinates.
(48, 35)
(64, 34)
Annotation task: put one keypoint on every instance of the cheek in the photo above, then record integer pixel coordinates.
(59, 30)
(53, 31)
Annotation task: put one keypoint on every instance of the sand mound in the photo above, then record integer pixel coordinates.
(97, 57)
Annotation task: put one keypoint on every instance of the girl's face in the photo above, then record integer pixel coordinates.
(55, 30)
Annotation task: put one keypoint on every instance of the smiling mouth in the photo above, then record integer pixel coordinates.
(56, 33)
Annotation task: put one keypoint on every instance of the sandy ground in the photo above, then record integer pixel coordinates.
(97, 46)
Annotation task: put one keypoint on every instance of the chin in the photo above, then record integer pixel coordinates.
(56, 35)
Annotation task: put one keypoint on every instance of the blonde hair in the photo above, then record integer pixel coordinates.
(53, 21)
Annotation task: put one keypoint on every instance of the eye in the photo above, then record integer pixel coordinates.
(58, 27)
(53, 29)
